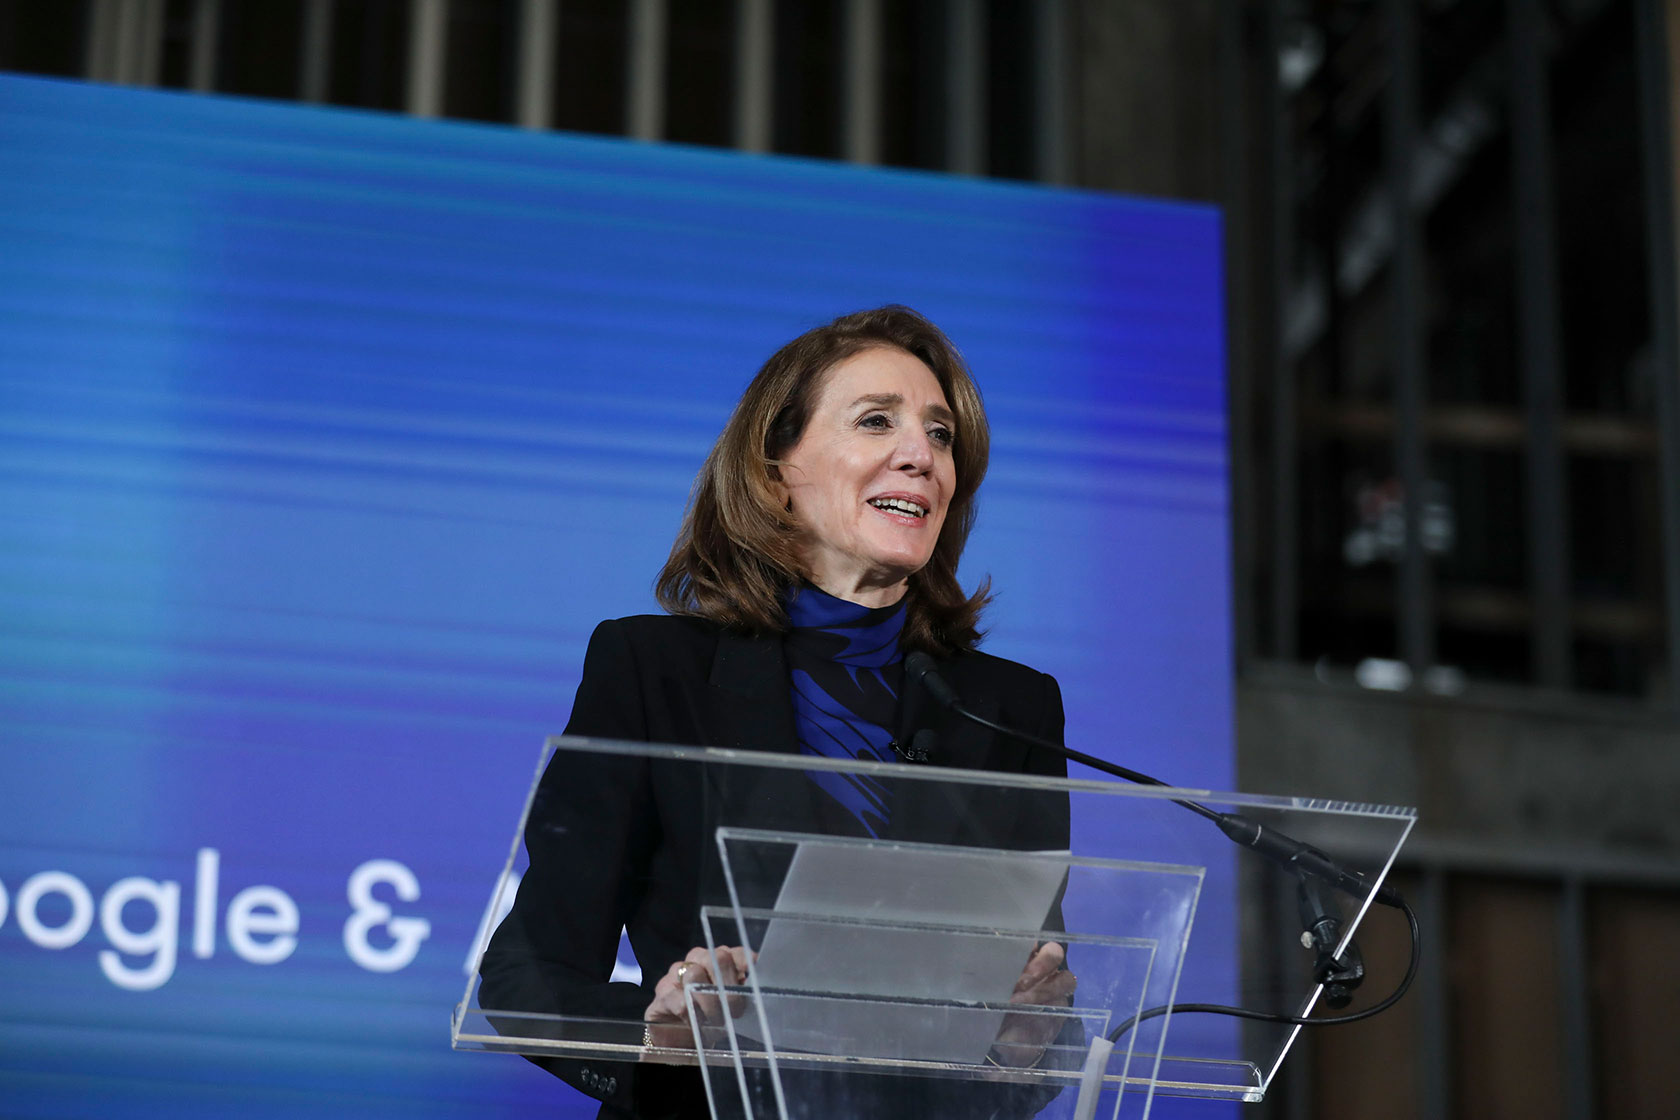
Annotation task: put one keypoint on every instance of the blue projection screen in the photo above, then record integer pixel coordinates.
(325, 440)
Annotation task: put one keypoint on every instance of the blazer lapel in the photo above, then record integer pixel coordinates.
(957, 742)
(932, 811)
(750, 707)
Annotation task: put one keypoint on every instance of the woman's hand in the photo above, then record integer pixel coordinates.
(1044, 982)
(667, 1015)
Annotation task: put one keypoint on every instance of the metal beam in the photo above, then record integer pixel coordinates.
(96, 47)
(315, 49)
(428, 31)
(1469, 120)
(125, 31)
(754, 56)
(860, 120)
(206, 45)
(1285, 513)
(1414, 606)
(1534, 220)
(965, 76)
(538, 25)
(125, 41)
(1240, 321)
(1434, 1015)
(1051, 62)
(1652, 46)
(645, 103)
(147, 53)
(1574, 999)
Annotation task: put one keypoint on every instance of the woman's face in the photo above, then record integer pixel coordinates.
(872, 476)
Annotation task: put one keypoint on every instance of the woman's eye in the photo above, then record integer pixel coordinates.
(875, 420)
(944, 437)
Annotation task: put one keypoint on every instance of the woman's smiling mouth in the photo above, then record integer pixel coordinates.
(904, 507)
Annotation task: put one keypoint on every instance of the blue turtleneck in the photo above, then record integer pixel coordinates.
(846, 671)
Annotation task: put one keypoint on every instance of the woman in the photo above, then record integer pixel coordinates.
(821, 544)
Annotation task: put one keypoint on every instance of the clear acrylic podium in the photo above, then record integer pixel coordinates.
(881, 969)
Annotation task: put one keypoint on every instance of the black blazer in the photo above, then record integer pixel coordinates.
(615, 843)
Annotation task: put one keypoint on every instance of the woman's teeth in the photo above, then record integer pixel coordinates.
(899, 505)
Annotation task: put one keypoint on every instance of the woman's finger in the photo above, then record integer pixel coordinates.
(700, 960)
(1044, 963)
(667, 1014)
(671, 1005)
(729, 972)
(1056, 988)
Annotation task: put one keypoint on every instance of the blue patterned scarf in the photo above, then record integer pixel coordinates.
(846, 670)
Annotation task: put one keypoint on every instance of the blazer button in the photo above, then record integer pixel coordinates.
(612, 1085)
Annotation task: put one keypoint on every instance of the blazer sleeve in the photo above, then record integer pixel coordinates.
(1050, 830)
(589, 836)
(1046, 827)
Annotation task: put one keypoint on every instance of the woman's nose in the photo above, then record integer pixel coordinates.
(914, 452)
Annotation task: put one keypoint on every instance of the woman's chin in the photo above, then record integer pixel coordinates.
(895, 573)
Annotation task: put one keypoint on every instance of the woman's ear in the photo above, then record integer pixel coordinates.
(779, 487)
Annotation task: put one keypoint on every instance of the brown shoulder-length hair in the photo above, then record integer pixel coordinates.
(738, 549)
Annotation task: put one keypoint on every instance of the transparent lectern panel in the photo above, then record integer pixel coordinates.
(748, 1081)
(672, 844)
(915, 957)
(898, 960)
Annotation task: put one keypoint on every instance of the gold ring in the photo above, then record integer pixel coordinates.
(682, 972)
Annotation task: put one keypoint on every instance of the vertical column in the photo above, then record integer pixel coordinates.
(316, 49)
(1051, 62)
(538, 24)
(126, 20)
(1285, 519)
(147, 44)
(1657, 41)
(427, 32)
(206, 41)
(860, 122)
(1239, 316)
(1434, 1011)
(646, 100)
(1537, 318)
(1414, 608)
(965, 135)
(1295, 1101)
(754, 49)
(124, 39)
(1576, 1001)
(96, 61)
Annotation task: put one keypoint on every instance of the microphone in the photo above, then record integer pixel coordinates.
(922, 742)
(1321, 931)
(921, 747)
(1269, 842)
(1313, 869)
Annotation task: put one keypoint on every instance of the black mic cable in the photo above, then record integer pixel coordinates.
(1275, 845)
